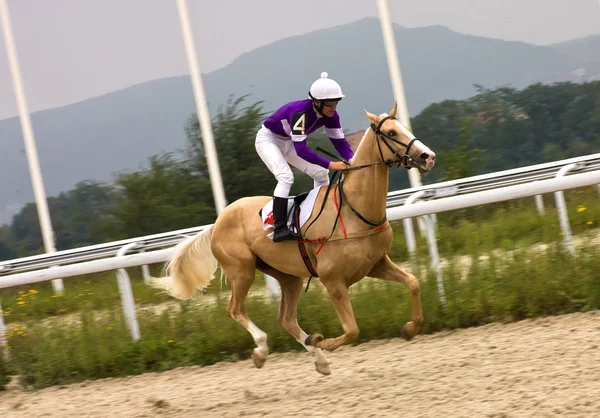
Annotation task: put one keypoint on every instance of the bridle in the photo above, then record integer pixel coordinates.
(404, 159)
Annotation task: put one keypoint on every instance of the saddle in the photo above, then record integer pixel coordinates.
(299, 210)
(298, 214)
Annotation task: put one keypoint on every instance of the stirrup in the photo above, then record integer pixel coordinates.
(283, 234)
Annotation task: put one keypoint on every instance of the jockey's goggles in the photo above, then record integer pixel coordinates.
(330, 103)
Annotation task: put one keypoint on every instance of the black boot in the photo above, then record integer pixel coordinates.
(282, 232)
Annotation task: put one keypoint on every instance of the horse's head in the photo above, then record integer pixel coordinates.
(397, 145)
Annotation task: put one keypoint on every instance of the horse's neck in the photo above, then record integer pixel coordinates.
(367, 188)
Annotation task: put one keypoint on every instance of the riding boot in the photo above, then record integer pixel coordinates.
(282, 232)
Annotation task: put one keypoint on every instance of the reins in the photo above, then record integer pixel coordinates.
(403, 160)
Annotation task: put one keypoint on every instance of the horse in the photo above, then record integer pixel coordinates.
(346, 242)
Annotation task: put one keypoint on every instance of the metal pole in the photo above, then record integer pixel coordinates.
(561, 207)
(409, 233)
(3, 338)
(146, 272)
(396, 76)
(202, 109)
(205, 125)
(30, 146)
(539, 204)
(126, 293)
(435, 259)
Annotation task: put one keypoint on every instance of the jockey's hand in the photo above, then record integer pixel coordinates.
(337, 165)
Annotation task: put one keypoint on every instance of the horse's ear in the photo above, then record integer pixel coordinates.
(394, 110)
(373, 118)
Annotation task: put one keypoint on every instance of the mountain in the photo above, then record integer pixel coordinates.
(98, 137)
(583, 55)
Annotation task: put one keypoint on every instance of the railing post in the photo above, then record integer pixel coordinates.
(561, 207)
(272, 287)
(3, 339)
(435, 258)
(146, 272)
(539, 204)
(409, 232)
(127, 294)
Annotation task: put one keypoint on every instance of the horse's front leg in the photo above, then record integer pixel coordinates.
(338, 292)
(386, 269)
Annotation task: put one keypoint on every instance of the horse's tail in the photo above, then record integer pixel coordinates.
(191, 267)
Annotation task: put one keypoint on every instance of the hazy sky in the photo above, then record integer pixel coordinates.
(71, 50)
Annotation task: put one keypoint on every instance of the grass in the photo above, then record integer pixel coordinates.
(57, 340)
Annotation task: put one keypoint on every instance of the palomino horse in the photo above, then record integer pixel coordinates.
(357, 247)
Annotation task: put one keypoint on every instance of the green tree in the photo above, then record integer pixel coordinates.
(462, 160)
(167, 195)
(7, 248)
(77, 218)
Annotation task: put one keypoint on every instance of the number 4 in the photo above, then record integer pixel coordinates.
(298, 127)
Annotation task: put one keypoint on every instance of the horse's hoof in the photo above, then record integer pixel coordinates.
(258, 359)
(405, 334)
(323, 368)
(314, 339)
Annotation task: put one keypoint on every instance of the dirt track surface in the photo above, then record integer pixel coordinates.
(537, 368)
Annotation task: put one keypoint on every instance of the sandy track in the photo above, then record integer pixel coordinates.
(536, 368)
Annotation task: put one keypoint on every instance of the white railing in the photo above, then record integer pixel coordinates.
(76, 255)
(411, 209)
(396, 213)
(497, 179)
(395, 198)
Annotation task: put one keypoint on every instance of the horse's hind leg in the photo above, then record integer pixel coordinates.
(291, 290)
(386, 269)
(241, 277)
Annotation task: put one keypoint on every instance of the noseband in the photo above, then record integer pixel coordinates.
(404, 159)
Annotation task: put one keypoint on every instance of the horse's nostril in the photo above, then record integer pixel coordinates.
(424, 156)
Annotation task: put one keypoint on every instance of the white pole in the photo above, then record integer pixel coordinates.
(434, 255)
(202, 109)
(409, 233)
(30, 146)
(3, 338)
(396, 76)
(539, 204)
(561, 208)
(127, 300)
(146, 272)
(205, 125)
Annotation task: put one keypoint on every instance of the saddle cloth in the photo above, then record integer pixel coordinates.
(307, 202)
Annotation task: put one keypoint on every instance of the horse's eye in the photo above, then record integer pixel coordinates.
(391, 133)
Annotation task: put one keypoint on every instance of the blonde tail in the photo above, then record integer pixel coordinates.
(191, 267)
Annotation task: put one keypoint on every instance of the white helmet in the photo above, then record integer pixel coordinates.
(325, 89)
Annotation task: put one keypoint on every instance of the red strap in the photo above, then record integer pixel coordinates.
(337, 209)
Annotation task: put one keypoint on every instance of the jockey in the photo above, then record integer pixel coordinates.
(282, 141)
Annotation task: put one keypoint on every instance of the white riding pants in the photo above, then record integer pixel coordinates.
(277, 153)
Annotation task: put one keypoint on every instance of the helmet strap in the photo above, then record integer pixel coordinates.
(318, 108)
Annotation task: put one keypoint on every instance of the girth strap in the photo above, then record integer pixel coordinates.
(302, 247)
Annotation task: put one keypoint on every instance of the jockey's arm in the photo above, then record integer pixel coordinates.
(304, 152)
(334, 131)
